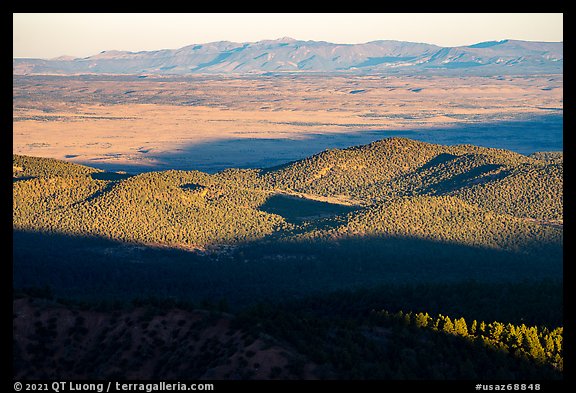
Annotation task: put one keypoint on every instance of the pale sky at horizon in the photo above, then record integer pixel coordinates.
(80, 35)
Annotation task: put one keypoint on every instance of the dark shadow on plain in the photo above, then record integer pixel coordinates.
(523, 135)
(98, 268)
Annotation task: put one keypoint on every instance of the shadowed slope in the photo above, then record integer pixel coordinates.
(56, 341)
(97, 268)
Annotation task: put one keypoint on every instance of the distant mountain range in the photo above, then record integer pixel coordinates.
(289, 55)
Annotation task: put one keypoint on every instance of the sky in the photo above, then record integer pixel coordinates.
(81, 35)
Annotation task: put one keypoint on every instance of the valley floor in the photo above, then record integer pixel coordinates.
(212, 123)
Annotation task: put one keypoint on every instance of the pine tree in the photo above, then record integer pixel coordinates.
(448, 326)
(473, 328)
(482, 328)
(495, 330)
(460, 327)
(532, 345)
(408, 318)
(422, 320)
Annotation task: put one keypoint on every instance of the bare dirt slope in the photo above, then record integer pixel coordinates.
(56, 341)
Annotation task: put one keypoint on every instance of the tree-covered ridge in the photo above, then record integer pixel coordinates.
(465, 194)
(45, 195)
(25, 167)
(337, 172)
(442, 174)
(549, 156)
(165, 338)
(447, 219)
(528, 190)
(497, 180)
(188, 209)
(407, 345)
(539, 345)
(349, 171)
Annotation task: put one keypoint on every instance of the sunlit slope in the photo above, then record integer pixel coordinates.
(498, 180)
(24, 166)
(392, 164)
(549, 156)
(448, 219)
(187, 209)
(341, 171)
(529, 190)
(464, 194)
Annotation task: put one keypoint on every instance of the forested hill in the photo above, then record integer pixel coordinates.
(394, 260)
(396, 186)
